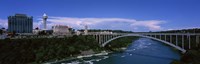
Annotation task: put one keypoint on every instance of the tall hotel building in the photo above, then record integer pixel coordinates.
(20, 23)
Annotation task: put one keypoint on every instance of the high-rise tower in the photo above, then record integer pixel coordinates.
(20, 23)
(86, 30)
(45, 21)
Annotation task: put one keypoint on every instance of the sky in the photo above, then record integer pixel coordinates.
(130, 15)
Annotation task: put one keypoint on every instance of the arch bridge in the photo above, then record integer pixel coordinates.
(180, 41)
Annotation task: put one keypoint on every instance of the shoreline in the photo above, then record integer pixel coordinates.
(102, 53)
(79, 57)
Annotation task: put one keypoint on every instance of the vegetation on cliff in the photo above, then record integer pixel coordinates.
(23, 51)
(190, 57)
(119, 43)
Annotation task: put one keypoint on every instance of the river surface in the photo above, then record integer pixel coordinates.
(141, 51)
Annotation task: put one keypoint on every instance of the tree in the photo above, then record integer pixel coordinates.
(42, 33)
(1, 32)
(13, 33)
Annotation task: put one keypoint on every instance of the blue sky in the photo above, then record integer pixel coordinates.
(133, 15)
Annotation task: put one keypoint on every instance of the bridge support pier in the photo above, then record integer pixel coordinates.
(160, 36)
(170, 38)
(106, 37)
(197, 41)
(102, 38)
(183, 41)
(189, 42)
(176, 40)
(96, 37)
(165, 37)
(99, 39)
(111, 36)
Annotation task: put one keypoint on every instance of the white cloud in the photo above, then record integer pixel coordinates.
(3, 23)
(104, 23)
(98, 23)
(150, 24)
(170, 29)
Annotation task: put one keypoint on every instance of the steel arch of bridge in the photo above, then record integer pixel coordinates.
(168, 43)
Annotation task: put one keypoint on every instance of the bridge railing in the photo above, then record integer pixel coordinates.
(92, 33)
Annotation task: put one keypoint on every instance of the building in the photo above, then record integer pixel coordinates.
(86, 30)
(45, 21)
(20, 23)
(77, 32)
(36, 31)
(61, 30)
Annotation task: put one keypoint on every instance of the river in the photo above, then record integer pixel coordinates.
(141, 51)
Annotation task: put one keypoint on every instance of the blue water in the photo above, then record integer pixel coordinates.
(141, 51)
